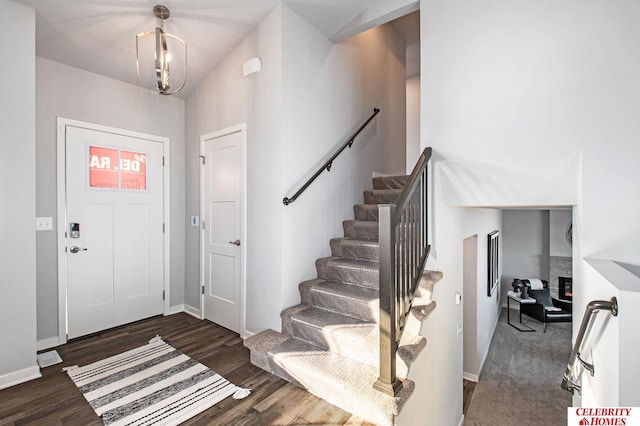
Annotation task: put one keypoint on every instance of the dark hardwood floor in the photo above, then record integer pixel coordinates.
(55, 400)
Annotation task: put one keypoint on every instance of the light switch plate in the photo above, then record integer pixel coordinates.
(44, 224)
(195, 221)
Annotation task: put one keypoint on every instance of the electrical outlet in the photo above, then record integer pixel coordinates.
(459, 330)
(44, 224)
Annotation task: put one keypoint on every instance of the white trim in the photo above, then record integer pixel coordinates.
(48, 343)
(246, 334)
(461, 422)
(242, 129)
(20, 376)
(194, 312)
(176, 309)
(470, 377)
(62, 124)
(167, 222)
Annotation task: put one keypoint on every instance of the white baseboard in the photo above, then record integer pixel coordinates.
(470, 377)
(48, 343)
(461, 422)
(194, 312)
(176, 309)
(19, 376)
(246, 334)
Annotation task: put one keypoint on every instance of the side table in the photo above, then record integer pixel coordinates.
(516, 298)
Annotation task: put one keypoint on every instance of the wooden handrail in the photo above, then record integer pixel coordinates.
(327, 166)
(404, 250)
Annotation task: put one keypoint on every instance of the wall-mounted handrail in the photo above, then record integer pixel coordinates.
(404, 249)
(590, 313)
(327, 166)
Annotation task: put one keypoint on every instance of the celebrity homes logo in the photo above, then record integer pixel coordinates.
(591, 416)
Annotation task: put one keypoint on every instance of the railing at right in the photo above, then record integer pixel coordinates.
(590, 313)
(404, 250)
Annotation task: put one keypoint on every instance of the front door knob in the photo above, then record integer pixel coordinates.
(76, 249)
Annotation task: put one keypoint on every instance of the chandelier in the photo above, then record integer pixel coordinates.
(155, 69)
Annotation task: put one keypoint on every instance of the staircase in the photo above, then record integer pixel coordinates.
(329, 343)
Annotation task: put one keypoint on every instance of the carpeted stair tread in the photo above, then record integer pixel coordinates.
(364, 273)
(340, 381)
(260, 344)
(366, 212)
(329, 343)
(355, 248)
(348, 336)
(390, 182)
(352, 300)
(361, 229)
(381, 196)
(286, 315)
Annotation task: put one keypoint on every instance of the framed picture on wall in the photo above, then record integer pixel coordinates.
(493, 272)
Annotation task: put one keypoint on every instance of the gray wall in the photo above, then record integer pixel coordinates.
(69, 92)
(310, 95)
(17, 196)
(559, 220)
(526, 246)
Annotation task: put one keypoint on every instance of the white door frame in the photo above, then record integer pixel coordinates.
(242, 129)
(62, 124)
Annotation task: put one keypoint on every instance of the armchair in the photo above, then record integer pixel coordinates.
(546, 309)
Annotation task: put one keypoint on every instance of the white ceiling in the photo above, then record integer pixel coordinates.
(99, 35)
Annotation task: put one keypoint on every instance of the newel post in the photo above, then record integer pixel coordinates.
(387, 381)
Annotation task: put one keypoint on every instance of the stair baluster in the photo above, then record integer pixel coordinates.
(404, 250)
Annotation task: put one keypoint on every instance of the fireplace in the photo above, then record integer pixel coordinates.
(565, 288)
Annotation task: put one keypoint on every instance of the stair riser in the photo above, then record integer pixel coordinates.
(367, 212)
(360, 229)
(355, 308)
(360, 350)
(354, 301)
(354, 250)
(361, 277)
(285, 317)
(375, 197)
(390, 182)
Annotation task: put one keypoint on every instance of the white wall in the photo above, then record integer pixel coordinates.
(616, 382)
(525, 246)
(523, 90)
(64, 91)
(17, 195)
(303, 104)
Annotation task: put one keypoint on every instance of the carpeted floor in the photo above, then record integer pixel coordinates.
(520, 382)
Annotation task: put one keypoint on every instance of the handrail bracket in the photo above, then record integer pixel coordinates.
(586, 365)
(590, 313)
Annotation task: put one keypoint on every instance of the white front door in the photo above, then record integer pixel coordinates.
(114, 229)
(222, 183)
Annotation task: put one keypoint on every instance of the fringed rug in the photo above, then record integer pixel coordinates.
(153, 384)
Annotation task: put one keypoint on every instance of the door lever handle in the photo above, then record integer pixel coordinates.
(76, 249)
(236, 242)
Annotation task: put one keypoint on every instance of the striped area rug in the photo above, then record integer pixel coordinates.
(153, 384)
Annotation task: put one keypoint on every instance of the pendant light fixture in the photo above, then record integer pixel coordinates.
(168, 49)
